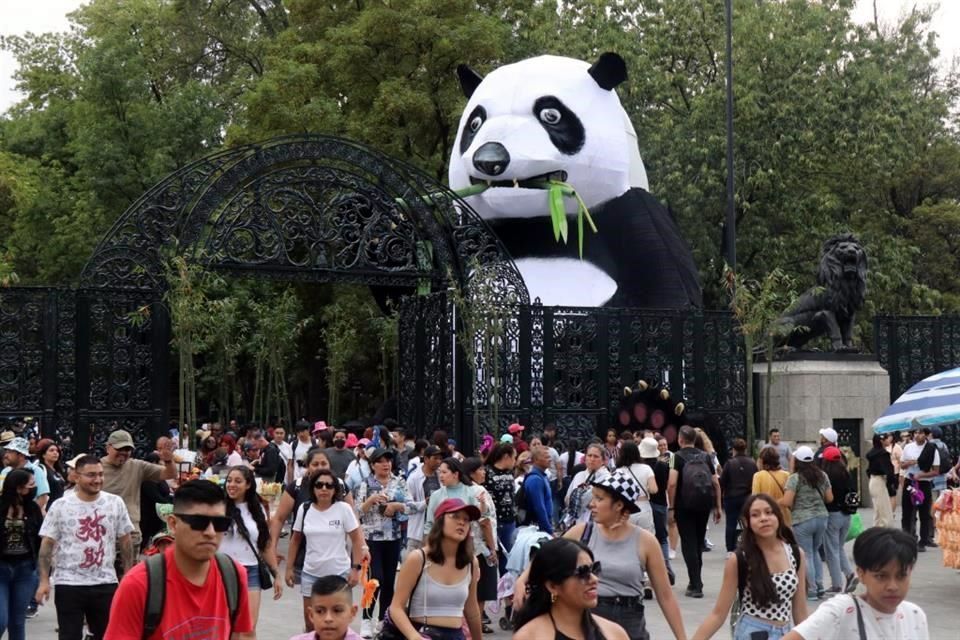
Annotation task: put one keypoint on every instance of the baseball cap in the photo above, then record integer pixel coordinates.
(432, 450)
(456, 504)
(830, 434)
(649, 448)
(506, 438)
(832, 453)
(120, 439)
(20, 445)
(516, 428)
(622, 486)
(804, 454)
(380, 453)
(363, 442)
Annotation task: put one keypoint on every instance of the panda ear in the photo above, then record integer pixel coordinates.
(609, 70)
(469, 79)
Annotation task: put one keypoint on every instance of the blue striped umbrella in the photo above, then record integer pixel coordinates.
(931, 402)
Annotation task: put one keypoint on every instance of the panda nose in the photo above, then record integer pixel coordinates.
(491, 158)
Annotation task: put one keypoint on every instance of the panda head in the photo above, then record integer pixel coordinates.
(540, 118)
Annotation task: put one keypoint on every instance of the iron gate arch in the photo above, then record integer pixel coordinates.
(306, 207)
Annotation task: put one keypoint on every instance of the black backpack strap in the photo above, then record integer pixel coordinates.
(231, 584)
(156, 566)
(587, 532)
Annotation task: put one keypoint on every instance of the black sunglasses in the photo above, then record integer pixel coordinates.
(324, 485)
(584, 571)
(200, 523)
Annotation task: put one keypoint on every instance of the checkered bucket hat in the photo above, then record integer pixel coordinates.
(623, 486)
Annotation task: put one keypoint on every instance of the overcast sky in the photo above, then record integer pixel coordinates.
(38, 16)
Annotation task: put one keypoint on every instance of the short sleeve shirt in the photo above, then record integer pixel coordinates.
(809, 502)
(190, 612)
(125, 480)
(39, 477)
(836, 619)
(86, 538)
(326, 537)
(235, 545)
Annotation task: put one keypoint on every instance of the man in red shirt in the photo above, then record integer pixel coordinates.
(195, 605)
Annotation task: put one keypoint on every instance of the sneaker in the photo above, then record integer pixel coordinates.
(812, 597)
(852, 583)
(931, 544)
(707, 544)
(921, 548)
(366, 628)
(672, 554)
(647, 593)
(693, 593)
(484, 618)
(32, 611)
(820, 592)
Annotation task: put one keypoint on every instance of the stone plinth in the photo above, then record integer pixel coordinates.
(811, 391)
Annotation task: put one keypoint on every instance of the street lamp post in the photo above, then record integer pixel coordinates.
(730, 225)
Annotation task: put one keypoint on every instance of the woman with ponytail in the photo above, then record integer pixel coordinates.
(561, 591)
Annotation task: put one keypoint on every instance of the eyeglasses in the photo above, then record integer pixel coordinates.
(584, 571)
(324, 485)
(199, 522)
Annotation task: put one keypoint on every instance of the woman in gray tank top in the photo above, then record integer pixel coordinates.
(612, 539)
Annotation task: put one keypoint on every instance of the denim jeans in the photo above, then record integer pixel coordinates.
(506, 532)
(810, 535)
(18, 583)
(747, 625)
(837, 525)
(384, 556)
(660, 528)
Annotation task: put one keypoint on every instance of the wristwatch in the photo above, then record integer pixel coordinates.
(357, 567)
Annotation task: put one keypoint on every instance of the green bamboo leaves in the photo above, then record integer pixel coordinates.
(556, 193)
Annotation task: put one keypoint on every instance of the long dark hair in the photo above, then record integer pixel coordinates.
(454, 465)
(10, 497)
(58, 465)
(254, 504)
(837, 473)
(629, 454)
(762, 590)
(809, 472)
(555, 562)
(435, 545)
(572, 450)
(500, 452)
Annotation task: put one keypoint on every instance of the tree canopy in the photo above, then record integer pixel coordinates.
(838, 126)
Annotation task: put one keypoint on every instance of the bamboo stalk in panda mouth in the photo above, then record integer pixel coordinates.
(557, 191)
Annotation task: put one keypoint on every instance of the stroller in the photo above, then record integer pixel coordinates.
(527, 543)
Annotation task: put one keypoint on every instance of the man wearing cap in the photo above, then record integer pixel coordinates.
(828, 438)
(922, 463)
(516, 430)
(123, 475)
(16, 455)
(421, 483)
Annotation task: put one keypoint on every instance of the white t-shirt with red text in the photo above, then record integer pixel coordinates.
(86, 535)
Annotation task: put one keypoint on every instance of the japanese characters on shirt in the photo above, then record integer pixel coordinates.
(86, 536)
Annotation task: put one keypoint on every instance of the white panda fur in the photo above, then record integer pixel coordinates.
(509, 106)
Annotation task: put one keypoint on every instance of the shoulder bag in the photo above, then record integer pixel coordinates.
(266, 574)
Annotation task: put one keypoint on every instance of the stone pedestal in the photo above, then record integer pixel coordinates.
(811, 391)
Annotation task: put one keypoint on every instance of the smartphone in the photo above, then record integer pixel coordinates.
(759, 635)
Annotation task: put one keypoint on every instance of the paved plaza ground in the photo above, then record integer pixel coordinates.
(935, 588)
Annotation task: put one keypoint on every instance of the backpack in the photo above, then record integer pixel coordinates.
(520, 501)
(925, 459)
(696, 490)
(946, 459)
(156, 567)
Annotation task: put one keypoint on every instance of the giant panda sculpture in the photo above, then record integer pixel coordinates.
(555, 117)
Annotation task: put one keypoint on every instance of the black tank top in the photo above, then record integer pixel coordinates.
(559, 635)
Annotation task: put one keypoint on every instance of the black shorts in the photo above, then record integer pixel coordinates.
(487, 584)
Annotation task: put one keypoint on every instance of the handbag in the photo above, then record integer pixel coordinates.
(266, 575)
(389, 631)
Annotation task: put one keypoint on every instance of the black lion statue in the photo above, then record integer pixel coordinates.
(829, 308)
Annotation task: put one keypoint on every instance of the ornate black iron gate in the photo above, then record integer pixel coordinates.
(567, 366)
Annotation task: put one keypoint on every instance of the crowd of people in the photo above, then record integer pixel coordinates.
(574, 538)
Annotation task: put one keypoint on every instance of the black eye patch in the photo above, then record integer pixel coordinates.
(561, 124)
(477, 117)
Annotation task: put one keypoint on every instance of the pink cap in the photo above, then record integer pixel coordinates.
(351, 441)
(515, 428)
(362, 442)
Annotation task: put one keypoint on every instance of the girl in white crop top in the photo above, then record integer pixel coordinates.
(771, 585)
(436, 588)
